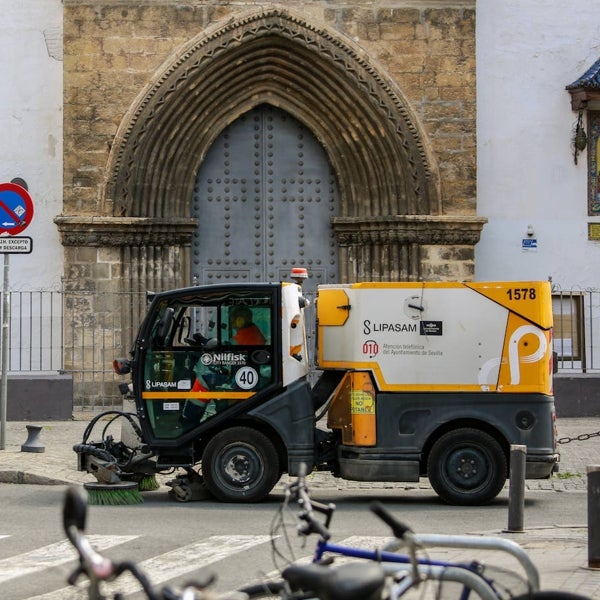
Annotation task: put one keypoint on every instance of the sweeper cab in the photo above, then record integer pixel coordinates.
(415, 380)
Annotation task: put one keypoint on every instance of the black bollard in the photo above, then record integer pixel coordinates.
(593, 508)
(516, 491)
(32, 444)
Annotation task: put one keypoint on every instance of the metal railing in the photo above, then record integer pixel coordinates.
(35, 331)
(576, 334)
(79, 333)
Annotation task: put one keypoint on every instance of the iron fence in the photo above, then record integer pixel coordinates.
(78, 333)
(576, 333)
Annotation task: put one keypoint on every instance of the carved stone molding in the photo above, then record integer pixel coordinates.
(419, 229)
(369, 131)
(125, 231)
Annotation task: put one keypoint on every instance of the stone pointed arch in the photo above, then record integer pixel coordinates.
(388, 181)
(372, 139)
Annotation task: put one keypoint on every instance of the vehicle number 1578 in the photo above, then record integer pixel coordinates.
(521, 293)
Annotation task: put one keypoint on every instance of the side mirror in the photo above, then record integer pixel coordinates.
(122, 366)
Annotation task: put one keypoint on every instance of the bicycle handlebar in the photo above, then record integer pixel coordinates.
(401, 532)
(299, 491)
(98, 568)
(399, 529)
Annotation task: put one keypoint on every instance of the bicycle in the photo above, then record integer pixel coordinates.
(99, 569)
(397, 573)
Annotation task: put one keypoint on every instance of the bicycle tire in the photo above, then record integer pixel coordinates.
(552, 595)
(264, 589)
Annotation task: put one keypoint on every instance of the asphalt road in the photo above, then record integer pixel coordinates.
(192, 539)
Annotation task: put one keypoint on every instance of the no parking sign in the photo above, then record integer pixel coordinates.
(16, 213)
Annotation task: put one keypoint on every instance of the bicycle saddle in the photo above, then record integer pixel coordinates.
(351, 581)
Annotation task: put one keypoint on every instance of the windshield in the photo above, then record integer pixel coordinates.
(205, 354)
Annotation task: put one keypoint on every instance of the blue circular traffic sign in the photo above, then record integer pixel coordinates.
(16, 208)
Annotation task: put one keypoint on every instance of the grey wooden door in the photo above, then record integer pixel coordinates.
(263, 198)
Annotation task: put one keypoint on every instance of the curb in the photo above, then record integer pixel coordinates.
(29, 478)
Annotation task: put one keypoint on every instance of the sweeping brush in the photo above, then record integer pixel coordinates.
(148, 483)
(113, 494)
(145, 483)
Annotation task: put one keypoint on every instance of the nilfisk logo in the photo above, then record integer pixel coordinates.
(223, 358)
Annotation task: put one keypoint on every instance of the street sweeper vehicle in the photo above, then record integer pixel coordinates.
(415, 380)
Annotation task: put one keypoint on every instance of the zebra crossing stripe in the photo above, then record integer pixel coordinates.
(171, 564)
(53, 555)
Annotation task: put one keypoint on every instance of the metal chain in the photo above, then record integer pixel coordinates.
(580, 438)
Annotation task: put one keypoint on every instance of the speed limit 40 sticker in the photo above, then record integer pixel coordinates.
(246, 378)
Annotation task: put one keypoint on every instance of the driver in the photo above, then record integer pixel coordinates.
(247, 333)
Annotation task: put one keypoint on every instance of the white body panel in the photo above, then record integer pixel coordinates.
(456, 339)
(293, 335)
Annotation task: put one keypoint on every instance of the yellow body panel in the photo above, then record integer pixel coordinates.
(329, 311)
(443, 336)
(530, 299)
(352, 410)
(526, 358)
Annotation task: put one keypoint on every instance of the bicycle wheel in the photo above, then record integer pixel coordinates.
(265, 589)
(552, 595)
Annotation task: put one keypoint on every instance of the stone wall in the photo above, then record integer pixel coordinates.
(113, 49)
(576, 395)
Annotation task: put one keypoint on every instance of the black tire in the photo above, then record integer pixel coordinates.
(467, 467)
(551, 595)
(240, 464)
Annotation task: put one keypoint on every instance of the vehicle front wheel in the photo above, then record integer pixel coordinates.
(240, 464)
(467, 467)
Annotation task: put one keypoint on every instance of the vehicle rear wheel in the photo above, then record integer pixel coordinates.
(467, 467)
(240, 464)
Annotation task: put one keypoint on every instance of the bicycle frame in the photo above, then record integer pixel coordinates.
(435, 540)
(413, 568)
(463, 573)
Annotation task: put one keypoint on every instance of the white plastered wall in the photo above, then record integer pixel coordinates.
(31, 126)
(527, 52)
